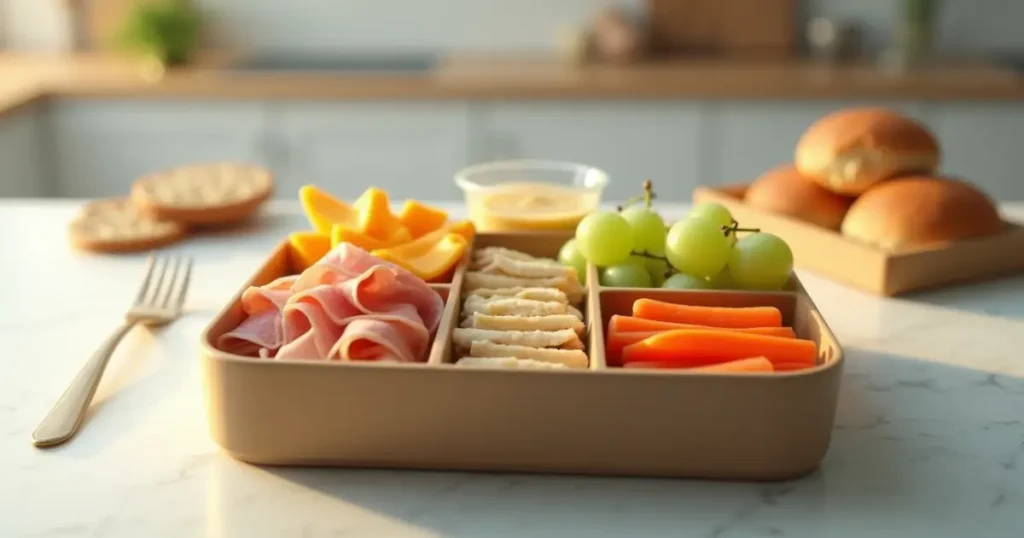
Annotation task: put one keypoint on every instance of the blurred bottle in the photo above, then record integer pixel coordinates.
(831, 41)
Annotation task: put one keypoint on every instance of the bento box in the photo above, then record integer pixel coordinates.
(599, 420)
(871, 269)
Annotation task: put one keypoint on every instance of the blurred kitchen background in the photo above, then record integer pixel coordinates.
(403, 93)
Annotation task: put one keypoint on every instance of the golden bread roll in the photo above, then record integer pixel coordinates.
(850, 150)
(920, 212)
(783, 190)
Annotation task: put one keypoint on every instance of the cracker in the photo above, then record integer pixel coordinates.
(508, 363)
(536, 294)
(204, 194)
(574, 312)
(513, 306)
(503, 265)
(484, 255)
(480, 320)
(565, 338)
(567, 284)
(116, 225)
(572, 358)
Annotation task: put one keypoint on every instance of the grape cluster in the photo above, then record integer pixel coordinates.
(634, 249)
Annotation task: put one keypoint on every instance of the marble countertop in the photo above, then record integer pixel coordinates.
(929, 440)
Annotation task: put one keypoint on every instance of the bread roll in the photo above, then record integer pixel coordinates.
(920, 212)
(850, 150)
(783, 190)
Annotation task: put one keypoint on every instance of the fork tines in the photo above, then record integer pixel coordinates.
(172, 275)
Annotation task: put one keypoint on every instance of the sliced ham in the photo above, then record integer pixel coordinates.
(348, 306)
(261, 332)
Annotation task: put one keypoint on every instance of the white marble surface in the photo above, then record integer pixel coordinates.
(929, 439)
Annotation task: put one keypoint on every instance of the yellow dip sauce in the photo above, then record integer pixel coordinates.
(529, 206)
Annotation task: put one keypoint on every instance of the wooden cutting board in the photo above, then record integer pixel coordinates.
(726, 28)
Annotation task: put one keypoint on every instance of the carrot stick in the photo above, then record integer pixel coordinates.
(690, 348)
(715, 316)
(630, 324)
(617, 340)
(741, 366)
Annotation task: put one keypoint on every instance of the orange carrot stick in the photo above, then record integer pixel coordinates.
(741, 366)
(617, 340)
(715, 316)
(690, 348)
(630, 324)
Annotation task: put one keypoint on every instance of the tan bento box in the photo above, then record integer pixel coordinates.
(874, 270)
(601, 420)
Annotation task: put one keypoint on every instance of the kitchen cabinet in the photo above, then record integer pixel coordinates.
(411, 149)
(102, 146)
(21, 152)
(630, 141)
(98, 147)
(747, 138)
(984, 143)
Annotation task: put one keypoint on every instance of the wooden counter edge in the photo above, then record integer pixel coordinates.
(482, 79)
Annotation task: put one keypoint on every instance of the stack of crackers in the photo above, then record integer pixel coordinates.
(520, 311)
(164, 207)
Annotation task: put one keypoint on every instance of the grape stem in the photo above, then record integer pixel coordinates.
(735, 227)
(645, 254)
(647, 197)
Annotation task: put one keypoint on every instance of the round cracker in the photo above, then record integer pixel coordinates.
(116, 225)
(204, 194)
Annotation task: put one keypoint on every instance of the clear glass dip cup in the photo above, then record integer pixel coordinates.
(530, 195)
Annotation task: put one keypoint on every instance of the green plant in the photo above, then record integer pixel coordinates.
(165, 30)
(921, 12)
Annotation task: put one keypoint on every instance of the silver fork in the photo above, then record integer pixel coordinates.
(158, 303)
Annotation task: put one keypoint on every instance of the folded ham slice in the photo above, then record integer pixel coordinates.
(260, 333)
(348, 306)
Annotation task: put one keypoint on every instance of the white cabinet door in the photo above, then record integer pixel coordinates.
(984, 143)
(101, 147)
(21, 151)
(747, 138)
(630, 141)
(412, 150)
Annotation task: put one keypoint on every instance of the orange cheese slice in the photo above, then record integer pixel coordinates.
(421, 218)
(430, 263)
(308, 248)
(375, 217)
(323, 211)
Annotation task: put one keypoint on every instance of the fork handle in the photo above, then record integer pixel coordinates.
(63, 421)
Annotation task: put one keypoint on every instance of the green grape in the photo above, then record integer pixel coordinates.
(657, 269)
(604, 237)
(697, 247)
(648, 229)
(683, 281)
(654, 266)
(761, 261)
(625, 275)
(716, 213)
(723, 280)
(571, 256)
